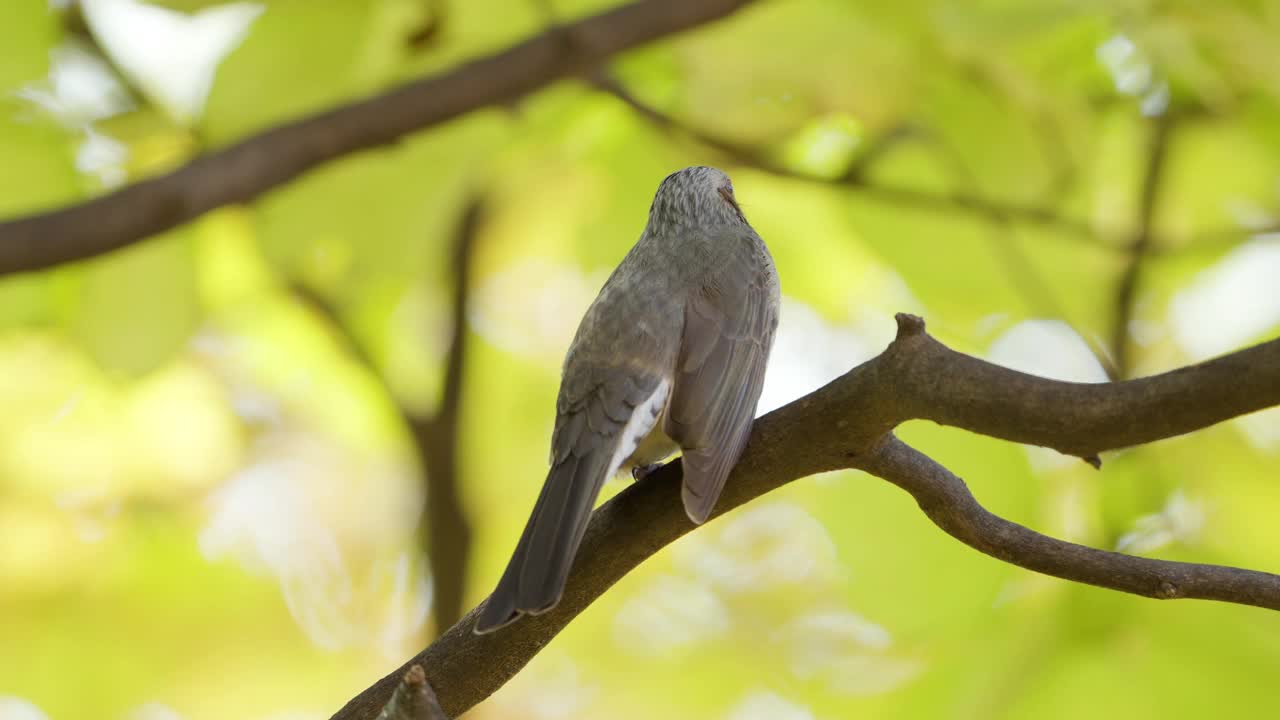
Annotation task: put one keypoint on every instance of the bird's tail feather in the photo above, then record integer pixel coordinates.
(535, 578)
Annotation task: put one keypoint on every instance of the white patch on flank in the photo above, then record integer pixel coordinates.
(641, 422)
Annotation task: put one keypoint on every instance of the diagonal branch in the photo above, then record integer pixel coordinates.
(856, 176)
(848, 424)
(255, 165)
(946, 500)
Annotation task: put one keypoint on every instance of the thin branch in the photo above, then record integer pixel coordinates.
(448, 534)
(1219, 240)
(946, 500)
(1142, 243)
(324, 307)
(856, 177)
(413, 699)
(1025, 278)
(848, 424)
(253, 166)
(443, 526)
(874, 150)
(425, 35)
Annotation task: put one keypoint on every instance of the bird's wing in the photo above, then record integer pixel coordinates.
(729, 324)
(611, 396)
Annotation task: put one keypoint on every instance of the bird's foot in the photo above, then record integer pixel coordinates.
(640, 472)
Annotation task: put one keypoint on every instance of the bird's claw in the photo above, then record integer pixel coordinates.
(640, 472)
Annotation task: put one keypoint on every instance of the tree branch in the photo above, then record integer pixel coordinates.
(448, 534)
(1218, 240)
(946, 500)
(413, 699)
(1025, 278)
(443, 526)
(848, 424)
(253, 166)
(429, 31)
(856, 176)
(1142, 243)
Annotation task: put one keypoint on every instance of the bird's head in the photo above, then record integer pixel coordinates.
(696, 194)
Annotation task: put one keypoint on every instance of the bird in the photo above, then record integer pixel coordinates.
(670, 355)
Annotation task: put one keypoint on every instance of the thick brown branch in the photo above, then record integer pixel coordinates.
(253, 166)
(846, 425)
(933, 382)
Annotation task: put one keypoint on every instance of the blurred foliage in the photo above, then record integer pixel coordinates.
(207, 498)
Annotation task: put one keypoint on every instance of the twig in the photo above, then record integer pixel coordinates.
(429, 30)
(413, 699)
(1024, 276)
(848, 424)
(321, 305)
(253, 166)
(1219, 240)
(875, 150)
(1142, 243)
(856, 177)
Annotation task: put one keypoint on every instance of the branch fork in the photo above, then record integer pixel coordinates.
(849, 424)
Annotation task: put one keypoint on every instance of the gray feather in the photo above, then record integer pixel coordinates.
(584, 444)
(729, 325)
(686, 319)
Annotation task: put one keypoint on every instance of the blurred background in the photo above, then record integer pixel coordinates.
(238, 479)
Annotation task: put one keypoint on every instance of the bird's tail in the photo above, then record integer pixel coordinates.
(534, 579)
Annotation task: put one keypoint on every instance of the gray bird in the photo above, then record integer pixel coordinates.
(670, 354)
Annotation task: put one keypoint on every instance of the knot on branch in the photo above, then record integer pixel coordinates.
(909, 325)
(413, 699)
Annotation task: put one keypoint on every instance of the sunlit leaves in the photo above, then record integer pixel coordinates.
(196, 463)
(134, 310)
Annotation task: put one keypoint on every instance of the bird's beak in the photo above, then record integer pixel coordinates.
(727, 194)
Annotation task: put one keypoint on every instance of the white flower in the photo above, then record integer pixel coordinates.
(81, 87)
(1180, 520)
(170, 56)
